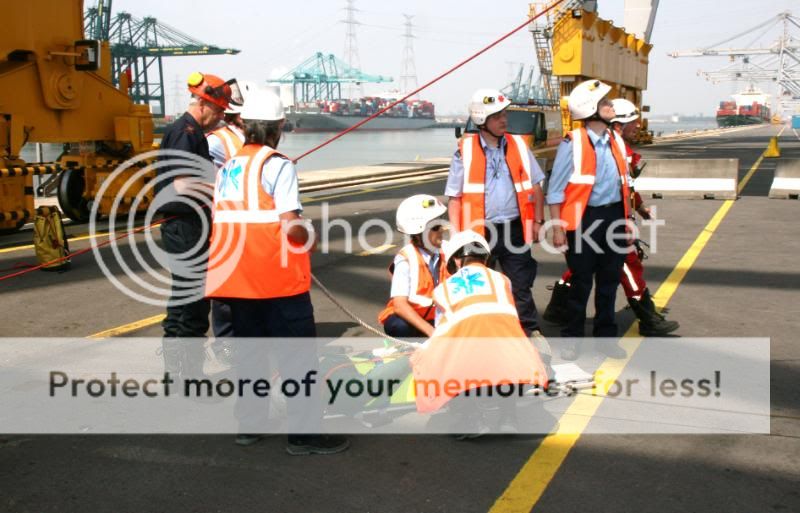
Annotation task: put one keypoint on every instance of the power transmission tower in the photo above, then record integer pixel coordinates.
(408, 75)
(351, 46)
(178, 93)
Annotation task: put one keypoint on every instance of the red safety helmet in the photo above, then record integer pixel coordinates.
(213, 89)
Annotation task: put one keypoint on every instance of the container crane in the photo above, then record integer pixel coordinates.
(777, 63)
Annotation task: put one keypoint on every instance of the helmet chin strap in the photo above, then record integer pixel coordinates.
(485, 129)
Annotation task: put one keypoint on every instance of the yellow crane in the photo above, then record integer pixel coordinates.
(56, 87)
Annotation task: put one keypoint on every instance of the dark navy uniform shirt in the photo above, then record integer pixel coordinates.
(187, 135)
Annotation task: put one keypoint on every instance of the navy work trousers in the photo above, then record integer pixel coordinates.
(602, 266)
(289, 323)
(519, 266)
(186, 319)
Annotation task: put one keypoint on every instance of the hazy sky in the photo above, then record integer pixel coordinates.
(276, 36)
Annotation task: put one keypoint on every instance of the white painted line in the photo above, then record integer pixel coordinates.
(786, 183)
(377, 251)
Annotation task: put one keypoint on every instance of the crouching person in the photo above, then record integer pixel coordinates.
(417, 269)
(479, 345)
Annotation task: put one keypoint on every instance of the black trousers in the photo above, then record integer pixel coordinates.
(396, 326)
(519, 267)
(183, 319)
(289, 323)
(603, 267)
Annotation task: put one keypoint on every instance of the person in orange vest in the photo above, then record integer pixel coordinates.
(259, 263)
(494, 189)
(416, 269)
(185, 196)
(651, 322)
(478, 340)
(588, 199)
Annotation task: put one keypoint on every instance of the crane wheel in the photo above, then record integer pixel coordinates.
(71, 185)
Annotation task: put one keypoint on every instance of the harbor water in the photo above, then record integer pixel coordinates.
(372, 147)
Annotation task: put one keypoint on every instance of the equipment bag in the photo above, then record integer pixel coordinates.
(50, 240)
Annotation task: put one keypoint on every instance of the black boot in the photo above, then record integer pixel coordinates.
(651, 323)
(556, 311)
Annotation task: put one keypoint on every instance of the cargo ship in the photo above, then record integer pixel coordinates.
(750, 107)
(335, 115)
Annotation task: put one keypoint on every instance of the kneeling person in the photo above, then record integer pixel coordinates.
(416, 269)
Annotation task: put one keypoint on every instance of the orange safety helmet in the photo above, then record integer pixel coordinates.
(213, 89)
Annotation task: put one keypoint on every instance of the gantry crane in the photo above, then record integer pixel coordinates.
(778, 63)
(137, 47)
(320, 77)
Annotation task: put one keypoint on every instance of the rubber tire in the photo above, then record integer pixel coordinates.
(71, 185)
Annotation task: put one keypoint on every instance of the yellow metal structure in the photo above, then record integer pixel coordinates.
(586, 46)
(55, 87)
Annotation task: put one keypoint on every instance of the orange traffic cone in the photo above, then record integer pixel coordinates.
(772, 149)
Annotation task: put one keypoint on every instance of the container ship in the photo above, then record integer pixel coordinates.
(747, 108)
(335, 115)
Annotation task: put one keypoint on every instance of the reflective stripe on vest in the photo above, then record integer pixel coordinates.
(250, 256)
(232, 140)
(421, 284)
(584, 172)
(473, 189)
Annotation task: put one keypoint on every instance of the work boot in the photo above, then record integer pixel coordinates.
(556, 311)
(193, 359)
(651, 323)
(301, 445)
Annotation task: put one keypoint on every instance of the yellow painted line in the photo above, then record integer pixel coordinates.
(534, 477)
(377, 251)
(71, 239)
(127, 328)
(749, 174)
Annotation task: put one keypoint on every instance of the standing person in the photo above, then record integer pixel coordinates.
(587, 195)
(494, 189)
(416, 270)
(260, 265)
(223, 143)
(185, 233)
(651, 322)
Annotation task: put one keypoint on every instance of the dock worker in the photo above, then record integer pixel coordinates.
(417, 269)
(587, 196)
(259, 263)
(184, 234)
(651, 322)
(478, 340)
(494, 189)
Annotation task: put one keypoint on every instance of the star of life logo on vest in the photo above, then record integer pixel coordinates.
(230, 184)
(467, 282)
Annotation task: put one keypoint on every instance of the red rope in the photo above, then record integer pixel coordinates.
(312, 150)
(428, 84)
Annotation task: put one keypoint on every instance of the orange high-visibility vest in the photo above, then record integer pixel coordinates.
(478, 341)
(579, 187)
(421, 297)
(250, 257)
(232, 140)
(473, 192)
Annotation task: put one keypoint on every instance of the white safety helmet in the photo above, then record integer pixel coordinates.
(414, 213)
(486, 102)
(245, 88)
(262, 105)
(584, 98)
(470, 241)
(625, 111)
